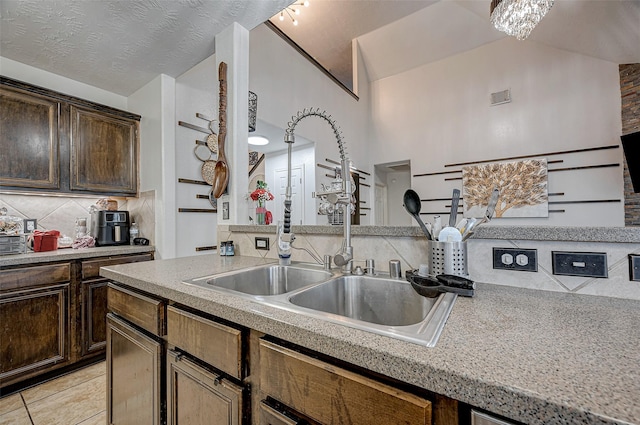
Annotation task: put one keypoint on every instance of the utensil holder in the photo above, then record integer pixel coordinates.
(448, 258)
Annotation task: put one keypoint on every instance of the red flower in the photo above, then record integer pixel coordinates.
(261, 195)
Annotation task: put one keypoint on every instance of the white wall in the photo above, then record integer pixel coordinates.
(156, 103)
(28, 74)
(439, 114)
(196, 91)
(286, 83)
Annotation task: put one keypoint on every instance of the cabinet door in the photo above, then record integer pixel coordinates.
(29, 140)
(196, 396)
(134, 370)
(94, 316)
(34, 332)
(104, 152)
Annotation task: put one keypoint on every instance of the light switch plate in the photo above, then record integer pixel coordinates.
(262, 243)
(588, 264)
(634, 267)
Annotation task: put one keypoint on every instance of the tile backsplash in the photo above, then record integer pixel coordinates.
(412, 251)
(60, 212)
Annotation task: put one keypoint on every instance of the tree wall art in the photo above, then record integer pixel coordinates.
(523, 188)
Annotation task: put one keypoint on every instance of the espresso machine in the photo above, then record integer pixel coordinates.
(110, 227)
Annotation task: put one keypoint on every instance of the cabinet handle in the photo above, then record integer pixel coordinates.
(217, 381)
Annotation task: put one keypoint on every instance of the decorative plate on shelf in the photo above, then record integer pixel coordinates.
(208, 171)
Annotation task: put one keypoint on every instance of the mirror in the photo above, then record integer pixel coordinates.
(271, 167)
(405, 128)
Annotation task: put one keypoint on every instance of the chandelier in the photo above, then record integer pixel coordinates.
(518, 18)
(292, 10)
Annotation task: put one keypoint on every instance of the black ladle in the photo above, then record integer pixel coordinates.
(412, 204)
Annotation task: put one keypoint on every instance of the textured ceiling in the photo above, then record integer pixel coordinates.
(120, 45)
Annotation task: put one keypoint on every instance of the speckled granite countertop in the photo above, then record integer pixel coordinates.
(534, 233)
(533, 356)
(68, 254)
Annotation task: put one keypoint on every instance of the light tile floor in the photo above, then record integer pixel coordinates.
(75, 399)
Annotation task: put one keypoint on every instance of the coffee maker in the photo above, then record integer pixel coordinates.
(110, 227)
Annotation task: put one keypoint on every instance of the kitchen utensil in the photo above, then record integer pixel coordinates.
(437, 226)
(467, 231)
(475, 222)
(221, 175)
(456, 281)
(462, 224)
(449, 234)
(455, 200)
(412, 204)
(491, 208)
(431, 287)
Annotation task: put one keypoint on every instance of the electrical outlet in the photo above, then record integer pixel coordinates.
(523, 260)
(589, 264)
(262, 243)
(634, 267)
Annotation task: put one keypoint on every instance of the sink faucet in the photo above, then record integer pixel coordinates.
(342, 196)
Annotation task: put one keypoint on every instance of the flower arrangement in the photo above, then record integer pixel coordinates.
(261, 194)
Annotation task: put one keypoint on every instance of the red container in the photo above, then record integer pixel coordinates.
(45, 241)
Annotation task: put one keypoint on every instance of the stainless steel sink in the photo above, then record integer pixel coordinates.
(265, 280)
(389, 302)
(376, 304)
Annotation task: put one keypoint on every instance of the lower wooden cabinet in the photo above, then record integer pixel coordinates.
(197, 396)
(332, 395)
(35, 325)
(134, 375)
(34, 331)
(208, 371)
(53, 318)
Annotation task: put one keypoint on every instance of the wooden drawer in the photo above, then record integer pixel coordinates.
(214, 343)
(33, 276)
(271, 416)
(331, 395)
(91, 268)
(145, 312)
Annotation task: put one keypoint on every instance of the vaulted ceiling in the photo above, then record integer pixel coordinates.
(120, 45)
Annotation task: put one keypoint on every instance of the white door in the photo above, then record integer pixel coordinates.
(297, 194)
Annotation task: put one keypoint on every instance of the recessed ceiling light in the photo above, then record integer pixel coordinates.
(258, 140)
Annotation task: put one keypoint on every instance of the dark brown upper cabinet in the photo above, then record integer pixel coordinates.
(29, 140)
(56, 143)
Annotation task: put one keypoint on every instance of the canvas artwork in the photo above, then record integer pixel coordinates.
(523, 188)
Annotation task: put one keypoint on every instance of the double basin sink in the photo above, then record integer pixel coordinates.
(375, 304)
